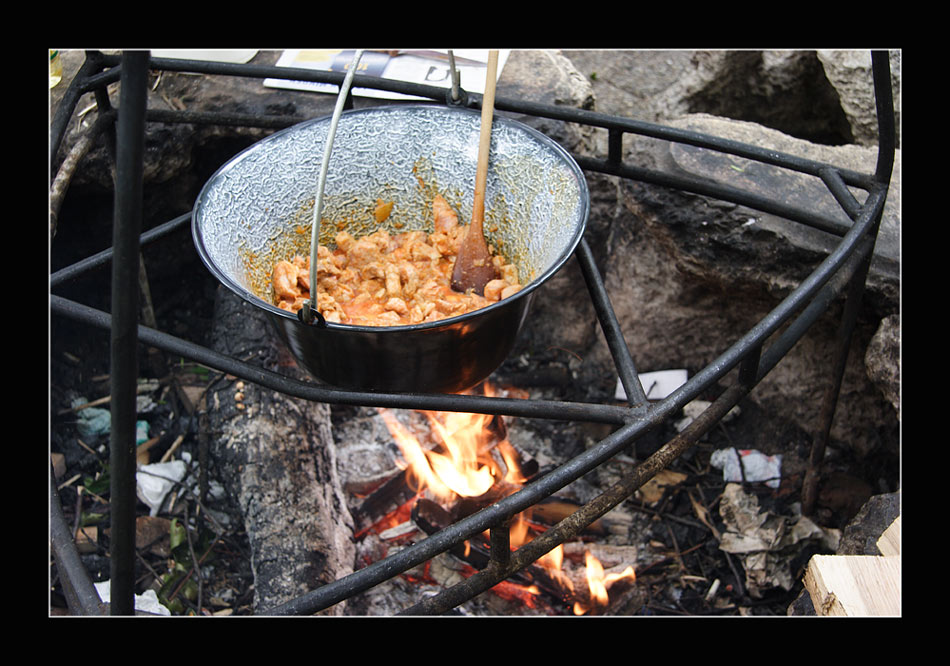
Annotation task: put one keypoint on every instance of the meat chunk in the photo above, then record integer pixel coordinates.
(385, 279)
(285, 281)
(445, 217)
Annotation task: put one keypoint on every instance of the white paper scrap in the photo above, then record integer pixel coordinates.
(756, 466)
(429, 67)
(147, 602)
(656, 385)
(237, 56)
(153, 482)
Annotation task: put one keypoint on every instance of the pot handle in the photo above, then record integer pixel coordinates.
(311, 316)
(309, 313)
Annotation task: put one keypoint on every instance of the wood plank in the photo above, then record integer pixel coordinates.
(890, 542)
(854, 585)
(858, 585)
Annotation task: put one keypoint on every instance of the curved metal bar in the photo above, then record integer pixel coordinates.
(76, 270)
(311, 312)
(554, 112)
(886, 121)
(81, 595)
(611, 327)
(528, 408)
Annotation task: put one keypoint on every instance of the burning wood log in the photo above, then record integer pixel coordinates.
(458, 454)
(275, 455)
(592, 582)
(553, 510)
(431, 517)
(388, 496)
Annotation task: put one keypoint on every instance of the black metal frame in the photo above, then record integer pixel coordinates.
(843, 272)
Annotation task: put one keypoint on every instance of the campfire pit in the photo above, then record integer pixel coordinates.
(454, 464)
(629, 421)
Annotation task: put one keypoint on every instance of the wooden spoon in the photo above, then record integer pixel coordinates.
(473, 265)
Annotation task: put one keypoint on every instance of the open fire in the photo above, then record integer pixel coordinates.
(459, 463)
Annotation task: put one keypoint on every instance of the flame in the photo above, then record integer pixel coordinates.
(598, 582)
(552, 561)
(513, 474)
(463, 466)
(414, 458)
(462, 469)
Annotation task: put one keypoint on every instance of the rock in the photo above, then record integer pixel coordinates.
(862, 533)
(823, 96)
(741, 245)
(883, 360)
(849, 73)
(689, 275)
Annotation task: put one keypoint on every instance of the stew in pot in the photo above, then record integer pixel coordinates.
(385, 279)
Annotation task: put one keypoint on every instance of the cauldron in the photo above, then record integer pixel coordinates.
(258, 207)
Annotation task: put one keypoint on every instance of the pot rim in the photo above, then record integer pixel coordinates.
(526, 290)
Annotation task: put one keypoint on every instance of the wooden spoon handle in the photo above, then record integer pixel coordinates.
(481, 173)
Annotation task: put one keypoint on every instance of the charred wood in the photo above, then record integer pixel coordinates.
(275, 456)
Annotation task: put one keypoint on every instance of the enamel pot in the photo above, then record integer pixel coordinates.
(258, 208)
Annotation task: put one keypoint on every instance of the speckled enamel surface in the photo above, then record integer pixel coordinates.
(259, 206)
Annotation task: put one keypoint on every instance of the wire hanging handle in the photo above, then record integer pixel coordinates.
(455, 96)
(309, 312)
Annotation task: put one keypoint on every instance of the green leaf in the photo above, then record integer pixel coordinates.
(87, 518)
(176, 534)
(98, 485)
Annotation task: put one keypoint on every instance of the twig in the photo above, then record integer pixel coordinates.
(68, 482)
(194, 559)
(98, 498)
(741, 465)
(574, 354)
(95, 403)
(76, 521)
(194, 564)
(668, 558)
(86, 446)
(148, 566)
(739, 585)
(702, 513)
(676, 549)
(666, 516)
(171, 450)
(57, 191)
